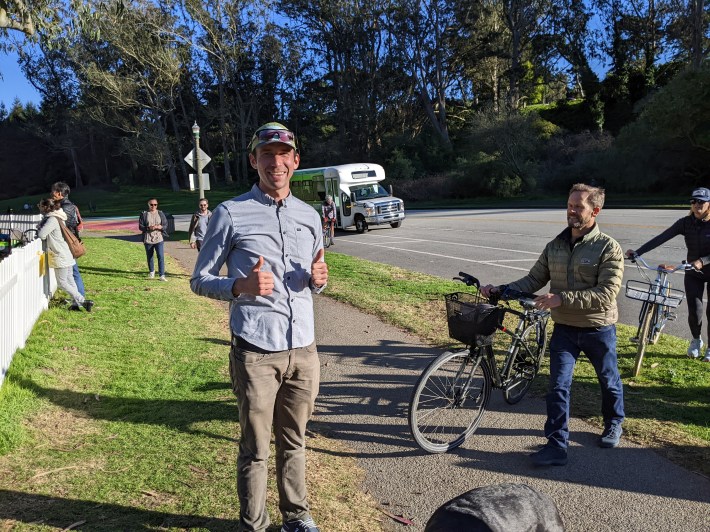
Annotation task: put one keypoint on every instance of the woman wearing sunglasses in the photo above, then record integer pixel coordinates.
(154, 224)
(695, 229)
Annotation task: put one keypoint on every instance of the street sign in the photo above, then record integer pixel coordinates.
(202, 156)
(205, 182)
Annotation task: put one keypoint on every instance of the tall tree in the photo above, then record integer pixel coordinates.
(688, 31)
(524, 19)
(427, 31)
(345, 56)
(568, 34)
(130, 70)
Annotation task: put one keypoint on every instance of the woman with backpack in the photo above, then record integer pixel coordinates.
(60, 257)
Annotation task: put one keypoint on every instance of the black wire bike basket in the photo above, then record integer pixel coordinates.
(471, 318)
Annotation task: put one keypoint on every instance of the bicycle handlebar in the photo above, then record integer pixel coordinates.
(683, 266)
(504, 293)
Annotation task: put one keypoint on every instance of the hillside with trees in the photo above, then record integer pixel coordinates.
(454, 98)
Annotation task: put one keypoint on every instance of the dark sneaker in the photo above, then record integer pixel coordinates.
(300, 525)
(88, 304)
(550, 455)
(611, 436)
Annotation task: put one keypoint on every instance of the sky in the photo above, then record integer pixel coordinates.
(13, 83)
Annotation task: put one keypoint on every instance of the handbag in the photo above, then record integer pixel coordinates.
(76, 246)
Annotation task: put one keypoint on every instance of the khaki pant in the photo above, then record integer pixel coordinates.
(279, 389)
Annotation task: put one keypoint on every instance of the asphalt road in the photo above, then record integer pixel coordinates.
(499, 246)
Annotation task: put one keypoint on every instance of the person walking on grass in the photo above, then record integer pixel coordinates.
(198, 224)
(154, 226)
(695, 229)
(584, 268)
(60, 257)
(329, 216)
(60, 192)
(272, 245)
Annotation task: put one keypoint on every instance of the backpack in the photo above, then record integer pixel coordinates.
(76, 246)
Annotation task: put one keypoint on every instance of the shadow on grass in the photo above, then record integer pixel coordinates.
(61, 513)
(174, 414)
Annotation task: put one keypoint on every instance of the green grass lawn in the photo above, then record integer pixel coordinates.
(124, 419)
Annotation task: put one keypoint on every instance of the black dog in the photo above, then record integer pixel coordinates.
(498, 508)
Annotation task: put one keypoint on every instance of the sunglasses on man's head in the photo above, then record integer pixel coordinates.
(698, 201)
(275, 134)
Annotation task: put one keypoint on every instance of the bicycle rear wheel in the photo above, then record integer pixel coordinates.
(526, 363)
(449, 400)
(644, 336)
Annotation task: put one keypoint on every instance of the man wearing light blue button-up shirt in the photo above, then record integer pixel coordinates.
(272, 246)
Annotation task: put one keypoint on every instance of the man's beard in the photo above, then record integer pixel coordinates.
(577, 222)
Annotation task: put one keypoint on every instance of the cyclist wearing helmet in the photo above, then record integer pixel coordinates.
(695, 229)
(329, 216)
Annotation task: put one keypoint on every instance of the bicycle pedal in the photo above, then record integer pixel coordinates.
(672, 316)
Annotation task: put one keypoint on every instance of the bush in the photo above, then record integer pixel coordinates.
(400, 167)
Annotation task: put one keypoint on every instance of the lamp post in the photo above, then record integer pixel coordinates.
(196, 158)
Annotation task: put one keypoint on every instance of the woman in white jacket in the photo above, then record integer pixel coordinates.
(60, 258)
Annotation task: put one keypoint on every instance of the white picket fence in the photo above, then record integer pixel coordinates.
(26, 285)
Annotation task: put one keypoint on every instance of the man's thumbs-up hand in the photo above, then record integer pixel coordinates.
(257, 283)
(319, 270)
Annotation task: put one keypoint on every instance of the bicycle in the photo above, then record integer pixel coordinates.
(327, 237)
(658, 301)
(451, 396)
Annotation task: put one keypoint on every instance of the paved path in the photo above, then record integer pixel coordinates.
(369, 369)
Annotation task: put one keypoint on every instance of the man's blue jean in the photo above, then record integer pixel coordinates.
(78, 280)
(599, 345)
(158, 249)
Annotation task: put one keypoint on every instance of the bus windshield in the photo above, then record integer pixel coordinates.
(365, 192)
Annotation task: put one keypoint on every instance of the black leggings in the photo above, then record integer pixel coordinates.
(694, 288)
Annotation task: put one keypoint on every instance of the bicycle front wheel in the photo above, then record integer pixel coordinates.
(644, 336)
(525, 363)
(449, 400)
(327, 240)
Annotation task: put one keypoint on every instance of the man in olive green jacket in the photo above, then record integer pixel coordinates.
(584, 268)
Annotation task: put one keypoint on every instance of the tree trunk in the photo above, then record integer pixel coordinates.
(223, 128)
(161, 125)
(77, 172)
(696, 42)
(183, 170)
(74, 160)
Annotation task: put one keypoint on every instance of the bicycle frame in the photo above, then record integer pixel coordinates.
(529, 316)
(658, 301)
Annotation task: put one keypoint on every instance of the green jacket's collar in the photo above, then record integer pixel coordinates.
(566, 235)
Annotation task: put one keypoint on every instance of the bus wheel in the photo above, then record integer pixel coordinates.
(360, 224)
(395, 225)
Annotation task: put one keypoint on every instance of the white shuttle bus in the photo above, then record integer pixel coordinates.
(360, 199)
